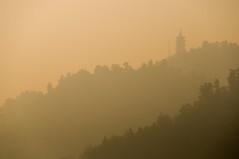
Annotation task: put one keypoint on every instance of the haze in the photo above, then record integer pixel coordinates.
(41, 40)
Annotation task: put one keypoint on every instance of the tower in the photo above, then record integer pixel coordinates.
(180, 44)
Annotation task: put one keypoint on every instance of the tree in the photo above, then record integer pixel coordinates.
(233, 80)
(206, 91)
(217, 86)
(49, 87)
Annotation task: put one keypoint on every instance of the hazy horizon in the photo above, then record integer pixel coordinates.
(110, 79)
(42, 40)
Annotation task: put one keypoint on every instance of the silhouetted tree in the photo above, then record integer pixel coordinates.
(233, 80)
(49, 87)
(206, 91)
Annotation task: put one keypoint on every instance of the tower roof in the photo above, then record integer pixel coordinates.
(180, 43)
(180, 32)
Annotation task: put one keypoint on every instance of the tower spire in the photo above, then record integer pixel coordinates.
(180, 43)
(180, 32)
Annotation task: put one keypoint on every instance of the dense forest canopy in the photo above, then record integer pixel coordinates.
(84, 107)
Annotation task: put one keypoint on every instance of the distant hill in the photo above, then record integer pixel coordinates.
(211, 59)
(85, 106)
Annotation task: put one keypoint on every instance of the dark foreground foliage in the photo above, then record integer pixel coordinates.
(207, 129)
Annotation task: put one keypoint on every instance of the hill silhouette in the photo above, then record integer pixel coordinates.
(211, 59)
(206, 129)
(86, 106)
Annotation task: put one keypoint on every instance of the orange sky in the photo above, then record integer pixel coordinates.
(43, 39)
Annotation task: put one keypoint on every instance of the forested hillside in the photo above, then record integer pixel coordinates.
(206, 129)
(84, 107)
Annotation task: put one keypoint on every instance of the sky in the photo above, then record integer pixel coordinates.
(40, 40)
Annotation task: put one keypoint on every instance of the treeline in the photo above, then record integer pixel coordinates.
(209, 59)
(207, 129)
(83, 107)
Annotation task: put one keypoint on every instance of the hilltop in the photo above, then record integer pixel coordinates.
(84, 107)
